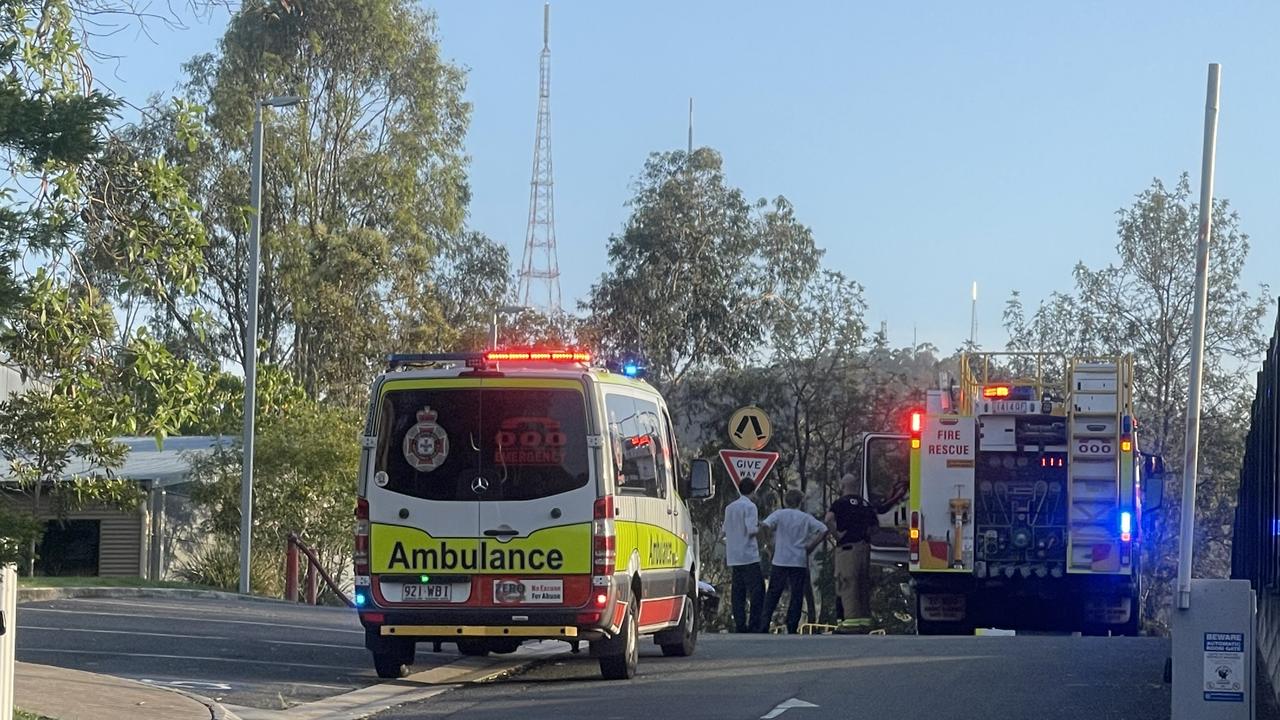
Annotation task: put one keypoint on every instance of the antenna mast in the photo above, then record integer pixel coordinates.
(540, 264)
(973, 315)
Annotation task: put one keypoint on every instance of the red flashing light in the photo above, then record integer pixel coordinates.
(917, 422)
(995, 391)
(602, 600)
(565, 356)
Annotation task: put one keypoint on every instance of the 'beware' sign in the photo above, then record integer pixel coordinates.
(750, 465)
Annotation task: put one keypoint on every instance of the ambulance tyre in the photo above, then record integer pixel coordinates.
(504, 647)
(685, 634)
(394, 661)
(621, 664)
(473, 648)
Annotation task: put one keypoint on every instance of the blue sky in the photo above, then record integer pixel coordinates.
(927, 144)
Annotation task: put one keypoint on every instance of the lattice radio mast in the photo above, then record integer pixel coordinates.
(540, 264)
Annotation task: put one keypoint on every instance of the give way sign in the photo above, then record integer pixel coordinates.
(751, 465)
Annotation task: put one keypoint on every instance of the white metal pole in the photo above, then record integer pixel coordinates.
(8, 641)
(1191, 461)
(251, 354)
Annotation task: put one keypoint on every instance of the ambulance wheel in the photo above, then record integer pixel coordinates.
(622, 664)
(687, 632)
(473, 648)
(503, 647)
(393, 663)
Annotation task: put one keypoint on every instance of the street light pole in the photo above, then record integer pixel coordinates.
(493, 324)
(251, 337)
(1190, 466)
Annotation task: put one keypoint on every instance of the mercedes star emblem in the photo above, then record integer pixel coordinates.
(479, 485)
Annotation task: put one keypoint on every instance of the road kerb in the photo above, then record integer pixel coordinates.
(419, 686)
(217, 711)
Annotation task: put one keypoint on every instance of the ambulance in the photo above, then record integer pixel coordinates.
(523, 494)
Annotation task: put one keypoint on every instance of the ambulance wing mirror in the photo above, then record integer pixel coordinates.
(701, 484)
(1152, 482)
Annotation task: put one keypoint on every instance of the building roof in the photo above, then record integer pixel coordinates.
(169, 464)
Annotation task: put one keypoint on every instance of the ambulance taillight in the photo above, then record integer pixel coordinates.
(362, 537)
(604, 542)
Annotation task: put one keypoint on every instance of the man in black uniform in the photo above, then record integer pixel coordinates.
(851, 520)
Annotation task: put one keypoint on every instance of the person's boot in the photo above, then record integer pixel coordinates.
(854, 626)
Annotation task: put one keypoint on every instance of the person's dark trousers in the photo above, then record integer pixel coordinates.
(810, 606)
(748, 584)
(791, 578)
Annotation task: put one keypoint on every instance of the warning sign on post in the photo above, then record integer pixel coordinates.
(748, 465)
(1224, 667)
(749, 428)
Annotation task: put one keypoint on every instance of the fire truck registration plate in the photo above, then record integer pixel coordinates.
(435, 591)
(1014, 407)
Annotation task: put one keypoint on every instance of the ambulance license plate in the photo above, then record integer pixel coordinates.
(429, 591)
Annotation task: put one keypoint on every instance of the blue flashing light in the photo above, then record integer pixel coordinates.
(631, 370)
(361, 599)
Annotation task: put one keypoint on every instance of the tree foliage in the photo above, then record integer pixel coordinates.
(89, 374)
(363, 187)
(1143, 305)
(304, 462)
(694, 273)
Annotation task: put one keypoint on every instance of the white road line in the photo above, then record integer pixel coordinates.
(124, 632)
(183, 657)
(307, 644)
(313, 628)
(194, 637)
(254, 606)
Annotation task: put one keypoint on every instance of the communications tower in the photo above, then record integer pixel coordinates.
(540, 267)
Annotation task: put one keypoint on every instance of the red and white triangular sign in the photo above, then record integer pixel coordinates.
(751, 465)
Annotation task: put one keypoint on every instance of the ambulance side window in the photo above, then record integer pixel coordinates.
(641, 456)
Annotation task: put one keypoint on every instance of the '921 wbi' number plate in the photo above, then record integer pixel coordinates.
(437, 591)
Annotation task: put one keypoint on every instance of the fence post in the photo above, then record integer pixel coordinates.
(9, 628)
(311, 582)
(291, 569)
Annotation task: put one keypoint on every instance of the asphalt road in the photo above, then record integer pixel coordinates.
(256, 654)
(737, 676)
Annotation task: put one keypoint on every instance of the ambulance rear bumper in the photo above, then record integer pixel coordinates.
(449, 625)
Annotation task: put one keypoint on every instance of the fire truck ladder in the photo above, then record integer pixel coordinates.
(1100, 392)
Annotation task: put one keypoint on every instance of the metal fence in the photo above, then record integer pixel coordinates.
(1255, 553)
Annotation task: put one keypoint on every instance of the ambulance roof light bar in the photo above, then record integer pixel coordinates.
(396, 361)
(559, 355)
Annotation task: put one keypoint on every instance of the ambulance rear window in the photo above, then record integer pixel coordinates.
(473, 444)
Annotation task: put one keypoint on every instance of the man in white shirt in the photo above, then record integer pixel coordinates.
(742, 553)
(795, 534)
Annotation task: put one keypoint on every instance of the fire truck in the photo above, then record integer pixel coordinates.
(1025, 501)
